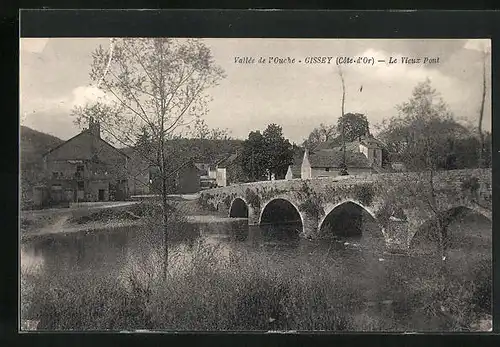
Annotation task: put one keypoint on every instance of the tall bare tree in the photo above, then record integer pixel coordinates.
(343, 169)
(481, 112)
(158, 84)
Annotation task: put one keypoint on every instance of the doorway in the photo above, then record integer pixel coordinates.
(101, 194)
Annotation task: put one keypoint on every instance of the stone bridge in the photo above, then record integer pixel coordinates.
(399, 203)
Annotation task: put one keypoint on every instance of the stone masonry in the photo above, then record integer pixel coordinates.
(400, 202)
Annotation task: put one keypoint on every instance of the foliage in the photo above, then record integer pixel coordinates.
(203, 202)
(322, 133)
(228, 199)
(266, 154)
(267, 194)
(470, 185)
(425, 134)
(312, 207)
(254, 157)
(355, 126)
(312, 201)
(364, 193)
(252, 198)
(279, 151)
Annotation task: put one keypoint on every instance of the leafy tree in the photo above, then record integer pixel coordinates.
(424, 134)
(279, 152)
(322, 133)
(154, 83)
(355, 126)
(254, 156)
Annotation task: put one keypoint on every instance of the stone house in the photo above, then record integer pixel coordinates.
(362, 157)
(86, 168)
(368, 145)
(211, 175)
(327, 163)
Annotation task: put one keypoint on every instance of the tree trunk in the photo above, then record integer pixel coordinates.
(165, 215)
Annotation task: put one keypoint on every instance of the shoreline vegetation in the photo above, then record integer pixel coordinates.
(209, 287)
(245, 291)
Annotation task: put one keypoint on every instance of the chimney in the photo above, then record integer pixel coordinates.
(94, 127)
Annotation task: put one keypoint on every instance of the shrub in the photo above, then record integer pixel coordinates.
(312, 206)
(252, 198)
(364, 193)
(470, 185)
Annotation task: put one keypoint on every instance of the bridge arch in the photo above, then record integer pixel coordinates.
(426, 236)
(238, 208)
(345, 203)
(293, 211)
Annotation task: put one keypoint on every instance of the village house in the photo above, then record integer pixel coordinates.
(86, 168)
(211, 176)
(362, 157)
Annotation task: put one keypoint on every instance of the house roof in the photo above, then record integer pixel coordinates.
(333, 159)
(86, 131)
(227, 161)
(372, 142)
(336, 144)
(296, 171)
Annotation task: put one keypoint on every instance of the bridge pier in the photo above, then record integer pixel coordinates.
(253, 215)
(309, 226)
(397, 235)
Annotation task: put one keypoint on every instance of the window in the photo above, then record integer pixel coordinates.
(79, 168)
(81, 185)
(327, 169)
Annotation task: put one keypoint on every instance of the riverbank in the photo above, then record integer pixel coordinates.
(216, 289)
(86, 217)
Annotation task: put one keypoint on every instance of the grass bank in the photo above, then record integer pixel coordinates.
(213, 288)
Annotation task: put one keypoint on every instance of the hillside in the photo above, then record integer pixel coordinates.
(33, 144)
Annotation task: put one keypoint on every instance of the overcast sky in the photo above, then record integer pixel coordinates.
(54, 78)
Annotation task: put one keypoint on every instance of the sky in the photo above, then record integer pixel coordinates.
(54, 78)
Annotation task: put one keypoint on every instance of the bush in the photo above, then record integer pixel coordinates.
(470, 185)
(364, 194)
(252, 198)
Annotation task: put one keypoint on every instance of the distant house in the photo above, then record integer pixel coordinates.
(86, 168)
(211, 175)
(327, 163)
(229, 170)
(294, 171)
(363, 156)
(208, 175)
(368, 145)
(186, 180)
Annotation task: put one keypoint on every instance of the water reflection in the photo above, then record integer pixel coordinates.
(109, 251)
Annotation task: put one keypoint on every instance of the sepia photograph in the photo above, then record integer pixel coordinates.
(255, 184)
